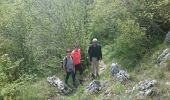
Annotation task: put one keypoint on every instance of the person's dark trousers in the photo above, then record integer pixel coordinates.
(79, 68)
(67, 77)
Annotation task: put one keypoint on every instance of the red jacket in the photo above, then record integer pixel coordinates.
(76, 56)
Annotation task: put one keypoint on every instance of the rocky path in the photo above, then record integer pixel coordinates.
(102, 67)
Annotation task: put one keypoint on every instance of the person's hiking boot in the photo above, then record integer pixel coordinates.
(93, 77)
(74, 84)
(81, 82)
(97, 75)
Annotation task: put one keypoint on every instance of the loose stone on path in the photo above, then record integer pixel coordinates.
(120, 75)
(56, 82)
(144, 88)
(93, 87)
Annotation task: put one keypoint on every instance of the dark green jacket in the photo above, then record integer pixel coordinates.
(95, 52)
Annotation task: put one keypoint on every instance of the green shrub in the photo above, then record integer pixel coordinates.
(9, 68)
(9, 91)
(8, 76)
(129, 46)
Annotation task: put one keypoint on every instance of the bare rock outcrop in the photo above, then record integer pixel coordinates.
(94, 87)
(120, 75)
(56, 82)
(144, 88)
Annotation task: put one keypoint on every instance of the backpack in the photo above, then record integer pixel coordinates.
(65, 60)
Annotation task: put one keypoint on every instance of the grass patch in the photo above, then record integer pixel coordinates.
(39, 90)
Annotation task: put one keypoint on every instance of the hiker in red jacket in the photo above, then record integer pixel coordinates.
(76, 61)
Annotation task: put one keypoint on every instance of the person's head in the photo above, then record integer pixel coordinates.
(68, 51)
(76, 47)
(94, 41)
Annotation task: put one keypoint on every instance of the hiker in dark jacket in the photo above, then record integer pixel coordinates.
(69, 67)
(95, 54)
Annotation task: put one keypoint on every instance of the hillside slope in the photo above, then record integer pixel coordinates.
(113, 90)
(147, 70)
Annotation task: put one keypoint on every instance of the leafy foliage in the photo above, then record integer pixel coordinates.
(133, 27)
(34, 34)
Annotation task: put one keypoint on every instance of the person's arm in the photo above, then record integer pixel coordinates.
(64, 65)
(100, 50)
(80, 53)
(73, 64)
(72, 53)
(89, 53)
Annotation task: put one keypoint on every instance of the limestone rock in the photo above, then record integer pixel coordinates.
(94, 87)
(144, 85)
(114, 69)
(164, 56)
(122, 76)
(144, 88)
(167, 38)
(55, 81)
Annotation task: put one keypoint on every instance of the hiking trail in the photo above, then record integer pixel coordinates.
(102, 67)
